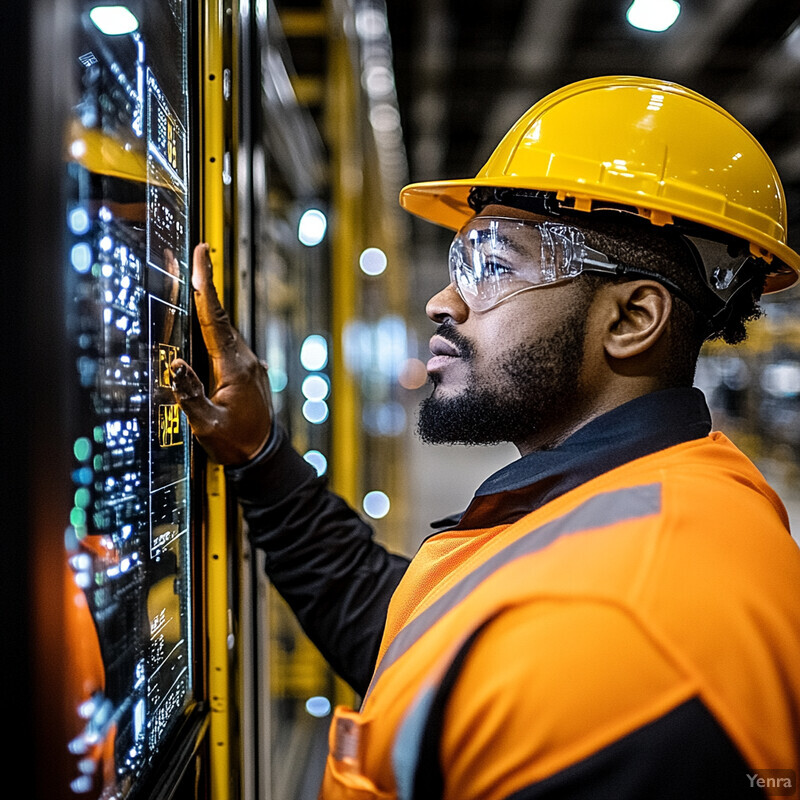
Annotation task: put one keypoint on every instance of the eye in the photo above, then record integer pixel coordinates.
(493, 267)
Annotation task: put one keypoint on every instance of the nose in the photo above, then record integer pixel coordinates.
(447, 304)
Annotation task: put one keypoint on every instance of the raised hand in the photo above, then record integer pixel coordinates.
(233, 423)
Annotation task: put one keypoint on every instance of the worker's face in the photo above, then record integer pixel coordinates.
(506, 374)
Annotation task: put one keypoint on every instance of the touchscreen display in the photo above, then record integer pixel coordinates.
(128, 535)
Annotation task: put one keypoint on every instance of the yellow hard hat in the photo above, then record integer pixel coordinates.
(652, 147)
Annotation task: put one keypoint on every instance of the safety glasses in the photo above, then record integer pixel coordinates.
(495, 258)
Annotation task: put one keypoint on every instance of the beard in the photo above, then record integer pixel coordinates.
(525, 393)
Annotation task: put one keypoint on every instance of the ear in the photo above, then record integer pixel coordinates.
(636, 314)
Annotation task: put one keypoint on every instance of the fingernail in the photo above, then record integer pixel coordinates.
(177, 375)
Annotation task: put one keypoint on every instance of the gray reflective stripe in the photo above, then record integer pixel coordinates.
(598, 511)
(407, 743)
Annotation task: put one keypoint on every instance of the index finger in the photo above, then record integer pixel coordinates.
(217, 330)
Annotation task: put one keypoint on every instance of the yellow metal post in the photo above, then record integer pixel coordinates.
(212, 150)
(346, 195)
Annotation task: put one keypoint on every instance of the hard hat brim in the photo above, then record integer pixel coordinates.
(445, 203)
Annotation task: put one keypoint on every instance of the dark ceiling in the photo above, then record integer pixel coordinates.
(465, 70)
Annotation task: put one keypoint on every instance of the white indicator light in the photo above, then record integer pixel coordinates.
(81, 257)
(312, 226)
(113, 20)
(314, 353)
(371, 24)
(372, 261)
(78, 746)
(83, 580)
(87, 708)
(317, 460)
(139, 720)
(87, 766)
(385, 118)
(653, 15)
(81, 563)
(81, 785)
(78, 221)
(782, 379)
(378, 80)
(78, 148)
(315, 411)
(318, 706)
(376, 504)
(315, 387)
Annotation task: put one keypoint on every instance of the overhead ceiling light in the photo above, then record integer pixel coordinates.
(653, 15)
(114, 20)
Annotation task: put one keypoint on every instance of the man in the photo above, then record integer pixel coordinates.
(616, 614)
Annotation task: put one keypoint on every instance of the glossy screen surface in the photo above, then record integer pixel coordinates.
(128, 549)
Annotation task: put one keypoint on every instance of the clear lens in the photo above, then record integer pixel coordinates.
(494, 258)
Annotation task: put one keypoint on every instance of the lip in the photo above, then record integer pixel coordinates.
(443, 352)
(438, 363)
(441, 347)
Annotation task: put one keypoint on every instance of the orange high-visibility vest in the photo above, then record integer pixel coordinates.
(675, 574)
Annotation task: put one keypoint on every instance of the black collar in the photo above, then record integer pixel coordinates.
(637, 428)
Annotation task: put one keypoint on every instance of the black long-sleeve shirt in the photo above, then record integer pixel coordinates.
(320, 556)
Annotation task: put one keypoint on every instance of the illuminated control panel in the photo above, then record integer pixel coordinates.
(131, 677)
